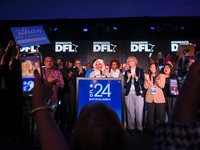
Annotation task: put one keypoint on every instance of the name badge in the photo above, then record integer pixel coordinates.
(153, 90)
(132, 81)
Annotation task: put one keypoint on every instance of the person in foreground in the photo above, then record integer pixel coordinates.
(183, 131)
(98, 128)
(51, 137)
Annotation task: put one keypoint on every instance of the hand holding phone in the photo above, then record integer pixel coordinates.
(150, 54)
(29, 62)
(41, 92)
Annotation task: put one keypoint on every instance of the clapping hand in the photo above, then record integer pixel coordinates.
(146, 76)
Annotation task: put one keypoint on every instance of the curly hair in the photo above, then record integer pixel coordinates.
(115, 60)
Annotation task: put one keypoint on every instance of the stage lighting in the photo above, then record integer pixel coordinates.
(182, 28)
(55, 29)
(85, 29)
(152, 28)
(115, 28)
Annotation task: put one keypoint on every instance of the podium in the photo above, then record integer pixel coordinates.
(109, 91)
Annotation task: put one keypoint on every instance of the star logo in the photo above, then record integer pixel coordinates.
(112, 46)
(151, 47)
(74, 46)
(37, 48)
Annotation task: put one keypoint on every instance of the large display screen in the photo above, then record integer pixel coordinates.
(104, 90)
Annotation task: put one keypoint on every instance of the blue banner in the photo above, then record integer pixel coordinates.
(30, 36)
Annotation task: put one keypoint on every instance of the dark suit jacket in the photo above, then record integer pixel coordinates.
(138, 84)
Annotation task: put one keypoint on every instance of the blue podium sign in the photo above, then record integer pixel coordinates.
(30, 36)
(104, 90)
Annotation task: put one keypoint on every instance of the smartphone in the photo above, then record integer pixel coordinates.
(150, 54)
(29, 62)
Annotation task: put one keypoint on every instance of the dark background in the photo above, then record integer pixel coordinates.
(159, 31)
(158, 22)
(76, 9)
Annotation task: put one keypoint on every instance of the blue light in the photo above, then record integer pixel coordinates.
(115, 28)
(152, 28)
(85, 29)
(55, 29)
(182, 28)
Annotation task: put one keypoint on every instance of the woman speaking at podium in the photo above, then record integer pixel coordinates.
(99, 70)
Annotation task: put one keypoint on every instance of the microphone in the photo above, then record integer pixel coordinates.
(101, 72)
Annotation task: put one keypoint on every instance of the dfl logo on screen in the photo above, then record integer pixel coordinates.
(141, 46)
(98, 92)
(30, 49)
(103, 47)
(174, 45)
(65, 46)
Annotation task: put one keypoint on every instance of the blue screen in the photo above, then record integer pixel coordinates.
(105, 91)
(28, 84)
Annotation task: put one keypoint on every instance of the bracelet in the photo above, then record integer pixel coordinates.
(41, 108)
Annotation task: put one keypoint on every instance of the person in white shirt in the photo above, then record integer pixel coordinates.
(115, 72)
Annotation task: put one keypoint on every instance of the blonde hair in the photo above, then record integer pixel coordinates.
(132, 58)
(29, 62)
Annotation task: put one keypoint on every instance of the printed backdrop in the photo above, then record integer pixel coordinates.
(107, 50)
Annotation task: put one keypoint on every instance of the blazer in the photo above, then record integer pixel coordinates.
(159, 84)
(138, 84)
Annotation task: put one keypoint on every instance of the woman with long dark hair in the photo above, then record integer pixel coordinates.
(171, 83)
(154, 82)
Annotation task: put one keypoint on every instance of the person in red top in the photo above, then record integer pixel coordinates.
(55, 78)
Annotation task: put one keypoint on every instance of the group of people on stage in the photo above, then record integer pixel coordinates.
(158, 88)
(152, 87)
(68, 74)
(152, 90)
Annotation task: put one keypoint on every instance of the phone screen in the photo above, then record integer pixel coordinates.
(150, 54)
(29, 62)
